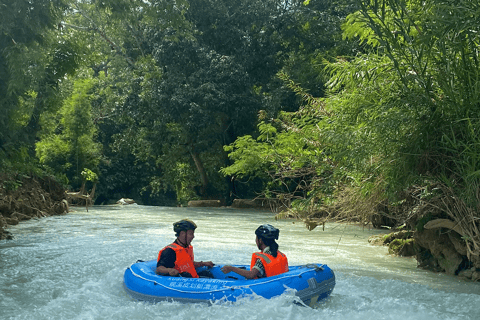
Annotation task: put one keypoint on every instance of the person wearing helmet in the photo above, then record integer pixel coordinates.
(177, 259)
(269, 262)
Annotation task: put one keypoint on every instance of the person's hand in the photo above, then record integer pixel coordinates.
(227, 269)
(208, 264)
(173, 272)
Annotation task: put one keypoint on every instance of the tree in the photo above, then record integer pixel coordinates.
(68, 141)
(202, 101)
(206, 91)
(25, 31)
(116, 35)
(296, 160)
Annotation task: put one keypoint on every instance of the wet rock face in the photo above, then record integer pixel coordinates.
(399, 243)
(31, 198)
(439, 252)
(403, 248)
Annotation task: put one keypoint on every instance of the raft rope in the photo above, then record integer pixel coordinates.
(314, 266)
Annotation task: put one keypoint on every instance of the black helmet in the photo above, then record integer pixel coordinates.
(267, 231)
(183, 225)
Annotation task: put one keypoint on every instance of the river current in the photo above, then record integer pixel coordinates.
(71, 267)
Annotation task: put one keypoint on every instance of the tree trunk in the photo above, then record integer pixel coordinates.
(32, 127)
(201, 171)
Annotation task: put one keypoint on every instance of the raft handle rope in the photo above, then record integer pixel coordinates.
(218, 290)
(315, 266)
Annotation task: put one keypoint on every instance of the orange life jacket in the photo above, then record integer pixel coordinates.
(184, 259)
(273, 265)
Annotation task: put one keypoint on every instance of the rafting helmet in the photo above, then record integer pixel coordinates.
(267, 231)
(183, 225)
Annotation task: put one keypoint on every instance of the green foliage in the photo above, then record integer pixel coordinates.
(437, 68)
(289, 161)
(12, 185)
(405, 108)
(248, 158)
(68, 143)
(89, 175)
(29, 67)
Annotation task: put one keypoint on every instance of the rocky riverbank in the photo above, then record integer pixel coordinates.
(438, 249)
(431, 223)
(23, 198)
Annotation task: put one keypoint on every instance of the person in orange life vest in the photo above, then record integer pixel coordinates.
(269, 262)
(177, 259)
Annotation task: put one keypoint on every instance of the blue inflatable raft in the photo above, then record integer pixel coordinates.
(312, 283)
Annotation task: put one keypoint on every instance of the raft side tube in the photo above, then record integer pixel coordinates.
(311, 283)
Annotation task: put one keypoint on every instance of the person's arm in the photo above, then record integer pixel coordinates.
(166, 263)
(198, 264)
(163, 271)
(249, 274)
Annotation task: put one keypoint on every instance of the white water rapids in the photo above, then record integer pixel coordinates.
(71, 267)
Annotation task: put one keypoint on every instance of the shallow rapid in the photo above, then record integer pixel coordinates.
(71, 267)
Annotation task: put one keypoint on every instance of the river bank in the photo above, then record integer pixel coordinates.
(24, 198)
(430, 223)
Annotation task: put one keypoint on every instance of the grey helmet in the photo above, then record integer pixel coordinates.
(183, 225)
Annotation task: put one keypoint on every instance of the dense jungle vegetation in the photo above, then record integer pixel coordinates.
(336, 108)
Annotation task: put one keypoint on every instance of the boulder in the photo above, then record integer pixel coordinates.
(403, 248)
(125, 201)
(20, 216)
(11, 221)
(258, 203)
(204, 203)
(441, 248)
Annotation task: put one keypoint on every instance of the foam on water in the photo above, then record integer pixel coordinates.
(71, 267)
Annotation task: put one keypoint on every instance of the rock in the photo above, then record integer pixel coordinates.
(61, 207)
(475, 260)
(26, 210)
(427, 261)
(466, 273)
(4, 209)
(403, 248)
(403, 235)
(204, 203)
(386, 239)
(458, 243)
(125, 201)
(3, 223)
(441, 249)
(5, 235)
(11, 221)
(476, 276)
(259, 203)
(377, 239)
(20, 216)
(443, 223)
